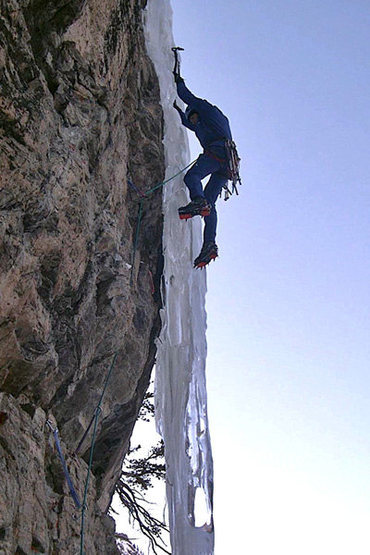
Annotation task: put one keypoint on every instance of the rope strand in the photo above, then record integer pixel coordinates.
(140, 212)
(170, 178)
(98, 411)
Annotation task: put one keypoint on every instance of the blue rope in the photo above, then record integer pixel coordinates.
(64, 465)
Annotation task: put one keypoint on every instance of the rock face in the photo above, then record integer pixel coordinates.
(79, 116)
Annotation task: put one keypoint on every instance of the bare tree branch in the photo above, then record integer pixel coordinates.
(149, 525)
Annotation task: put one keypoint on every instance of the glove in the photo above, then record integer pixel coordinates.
(176, 106)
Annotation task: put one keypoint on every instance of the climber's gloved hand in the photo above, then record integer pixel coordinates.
(175, 105)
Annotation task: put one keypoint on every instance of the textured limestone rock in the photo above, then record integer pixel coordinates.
(79, 115)
(37, 514)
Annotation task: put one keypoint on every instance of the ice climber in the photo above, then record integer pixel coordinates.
(212, 129)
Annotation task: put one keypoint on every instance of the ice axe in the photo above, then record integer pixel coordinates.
(176, 69)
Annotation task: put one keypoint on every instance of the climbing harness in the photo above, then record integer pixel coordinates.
(176, 69)
(64, 465)
(211, 155)
(232, 162)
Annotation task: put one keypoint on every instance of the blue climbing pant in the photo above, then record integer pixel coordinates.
(206, 165)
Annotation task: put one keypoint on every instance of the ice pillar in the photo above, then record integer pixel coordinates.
(181, 397)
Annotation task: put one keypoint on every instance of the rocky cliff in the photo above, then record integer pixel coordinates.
(79, 116)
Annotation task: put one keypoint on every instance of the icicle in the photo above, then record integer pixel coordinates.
(181, 398)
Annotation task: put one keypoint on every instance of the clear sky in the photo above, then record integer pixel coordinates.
(289, 297)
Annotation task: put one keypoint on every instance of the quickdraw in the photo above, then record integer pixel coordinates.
(233, 167)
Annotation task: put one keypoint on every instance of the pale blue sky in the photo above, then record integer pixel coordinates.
(289, 297)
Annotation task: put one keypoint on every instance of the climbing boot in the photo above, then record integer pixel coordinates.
(197, 207)
(209, 252)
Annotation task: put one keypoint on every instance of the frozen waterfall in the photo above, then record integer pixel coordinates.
(181, 397)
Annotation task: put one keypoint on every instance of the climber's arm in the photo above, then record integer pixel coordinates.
(184, 119)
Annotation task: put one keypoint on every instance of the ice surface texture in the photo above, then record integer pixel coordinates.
(181, 396)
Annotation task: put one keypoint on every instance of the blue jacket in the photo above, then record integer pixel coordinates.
(212, 127)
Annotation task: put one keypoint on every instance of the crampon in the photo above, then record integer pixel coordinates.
(209, 252)
(197, 207)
